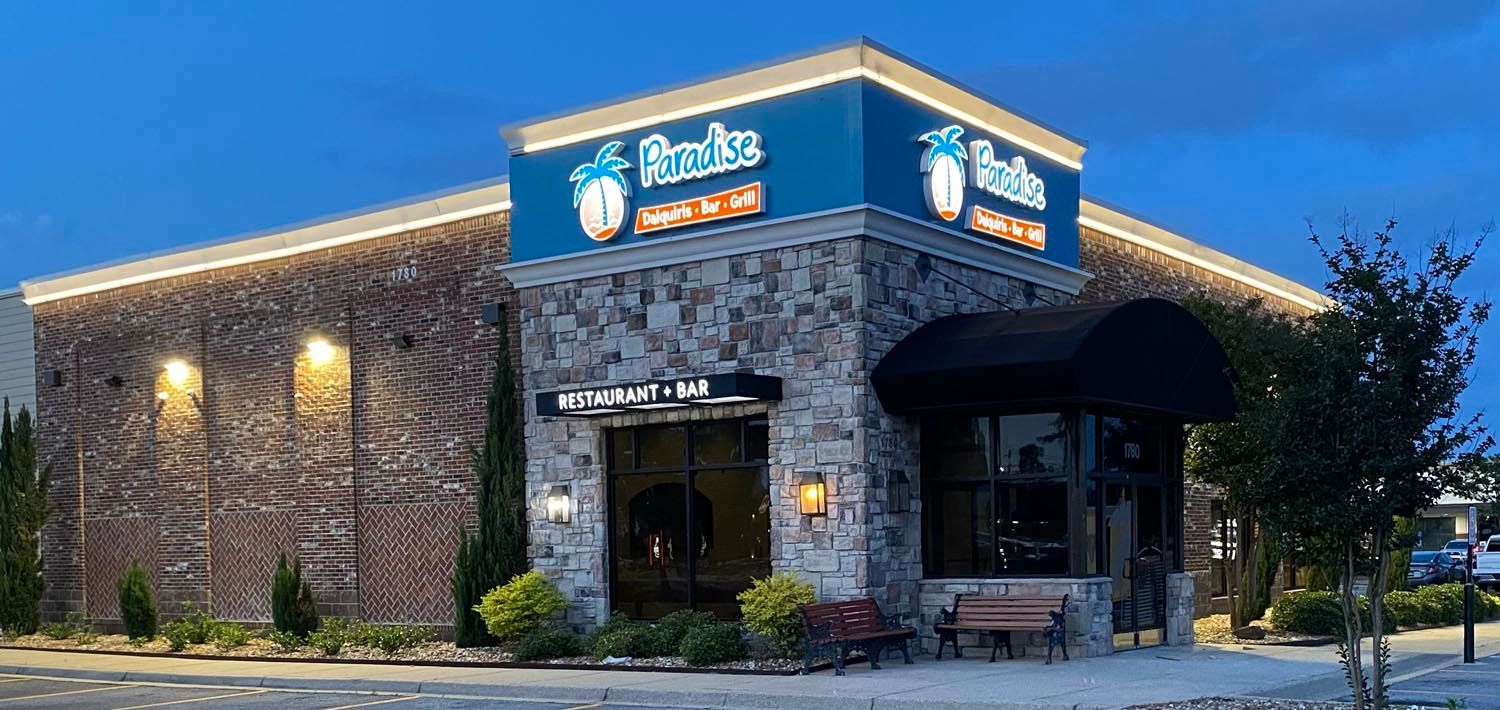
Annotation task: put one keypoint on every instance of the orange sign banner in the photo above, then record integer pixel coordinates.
(1032, 234)
(722, 205)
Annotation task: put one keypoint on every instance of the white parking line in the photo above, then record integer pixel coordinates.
(193, 700)
(67, 692)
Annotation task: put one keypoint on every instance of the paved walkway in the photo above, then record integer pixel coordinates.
(1144, 676)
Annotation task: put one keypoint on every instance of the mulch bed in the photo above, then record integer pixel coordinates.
(1243, 704)
(1215, 629)
(428, 654)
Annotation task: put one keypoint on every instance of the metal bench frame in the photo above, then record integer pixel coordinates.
(1055, 631)
(824, 641)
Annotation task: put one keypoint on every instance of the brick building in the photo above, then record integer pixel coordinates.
(693, 377)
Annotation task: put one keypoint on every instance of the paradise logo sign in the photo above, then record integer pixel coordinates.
(602, 192)
(943, 164)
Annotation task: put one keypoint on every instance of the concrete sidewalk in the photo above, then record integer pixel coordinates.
(1144, 676)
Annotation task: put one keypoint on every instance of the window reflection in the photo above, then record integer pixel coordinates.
(694, 535)
(1131, 445)
(1033, 444)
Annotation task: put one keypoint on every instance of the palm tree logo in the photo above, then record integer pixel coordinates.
(601, 191)
(943, 162)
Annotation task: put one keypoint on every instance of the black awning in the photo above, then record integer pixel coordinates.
(1148, 355)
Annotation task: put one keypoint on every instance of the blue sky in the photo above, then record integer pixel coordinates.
(131, 127)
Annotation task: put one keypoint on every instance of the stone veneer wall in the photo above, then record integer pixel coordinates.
(1090, 632)
(820, 316)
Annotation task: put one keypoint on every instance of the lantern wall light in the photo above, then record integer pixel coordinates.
(559, 504)
(812, 494)
(177, 372)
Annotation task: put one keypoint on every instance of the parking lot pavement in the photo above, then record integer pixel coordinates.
(1476, 685)
(30, 692)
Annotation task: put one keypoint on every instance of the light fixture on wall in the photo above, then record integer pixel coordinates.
(898, 492)
(177, 372)
(559, 504)
(319, 351)
(812, 494)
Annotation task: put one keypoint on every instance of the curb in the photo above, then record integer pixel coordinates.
(624, 695)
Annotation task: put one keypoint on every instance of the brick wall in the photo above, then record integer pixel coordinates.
(358, 464)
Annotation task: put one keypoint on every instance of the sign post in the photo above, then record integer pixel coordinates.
(1469, 589)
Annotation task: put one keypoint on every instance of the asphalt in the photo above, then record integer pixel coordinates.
(40, 692)
(1475, 685)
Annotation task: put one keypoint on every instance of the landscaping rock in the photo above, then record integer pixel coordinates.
(1250, 633)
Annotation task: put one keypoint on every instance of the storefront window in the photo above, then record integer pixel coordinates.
(1131, 445)
(689, 516)
(995, 495)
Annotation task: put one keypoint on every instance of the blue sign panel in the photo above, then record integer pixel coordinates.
(835, 146)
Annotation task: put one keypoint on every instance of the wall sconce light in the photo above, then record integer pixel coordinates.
(319, 352)
(402, 341)
(898, 492)
(162, 396)
(812, 494)
(115, 381)
(559, 504)
(177, 372)
(54, 378)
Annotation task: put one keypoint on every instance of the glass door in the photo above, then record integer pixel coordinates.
(1134, 532)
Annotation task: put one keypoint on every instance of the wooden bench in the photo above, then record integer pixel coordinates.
(836, 628)
(1000, 616)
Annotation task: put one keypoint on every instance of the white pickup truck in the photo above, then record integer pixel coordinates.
(1487, 564)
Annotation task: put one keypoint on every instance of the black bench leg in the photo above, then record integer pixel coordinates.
(994, 645)
(906, 651)
(942, 640)
(838, 658)
(1009, 645)
(873, 651)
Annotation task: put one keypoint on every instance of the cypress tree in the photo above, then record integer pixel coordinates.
(498, 551)
(23, 512)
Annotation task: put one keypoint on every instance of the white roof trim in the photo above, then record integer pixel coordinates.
(452, 205)
(1100, 216)
(858, 221)
(861, 58)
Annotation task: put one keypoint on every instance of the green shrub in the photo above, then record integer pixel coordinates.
(666, 637)
(1446, 599)
(197, 623)
(74, 624)
(137, 603)
(285, 641)
(395, 638)
(178, 634)
(228, 635)
(1408, 609)
(293, 608)
(716, 643)
(1304, 612)
(633, 640)
(329, 642)
(521, 605)
(769, 608)
(546, 643)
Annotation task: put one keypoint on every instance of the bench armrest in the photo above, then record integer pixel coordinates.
(946, 616)
(819, 633)
(892, 621)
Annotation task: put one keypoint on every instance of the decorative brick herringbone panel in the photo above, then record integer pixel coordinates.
(245, 546)
(112, 543)
(405, 560)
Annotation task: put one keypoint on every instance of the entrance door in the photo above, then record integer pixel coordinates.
(1134, 526)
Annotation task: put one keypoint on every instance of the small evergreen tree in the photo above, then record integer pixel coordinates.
(498, 552)
(23, 512)
(293, 608)
(137, 602)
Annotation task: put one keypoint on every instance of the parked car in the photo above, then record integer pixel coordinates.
(1436, 567)
(1458, 547)
(1487, 564)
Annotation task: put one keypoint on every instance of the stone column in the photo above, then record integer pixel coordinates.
(1179, 609)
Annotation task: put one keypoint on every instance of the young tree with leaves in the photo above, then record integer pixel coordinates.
(498, 551)
(1370, 429)
(23, 512)
(1235, 455)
